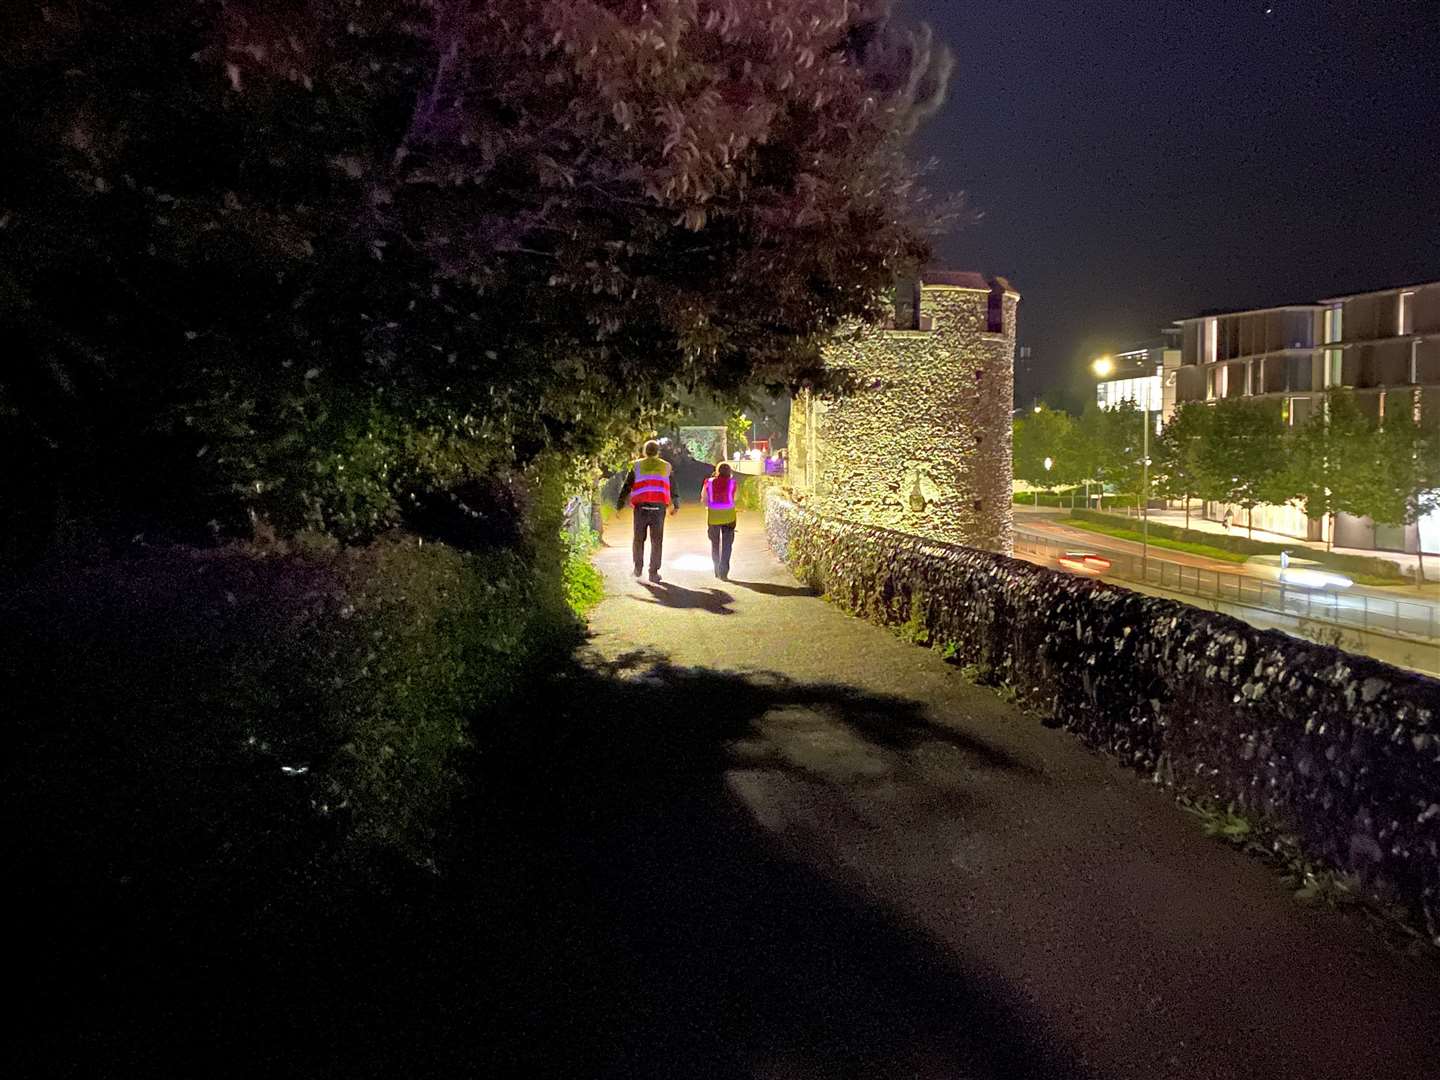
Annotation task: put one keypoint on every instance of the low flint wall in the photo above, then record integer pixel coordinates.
(1339, 749)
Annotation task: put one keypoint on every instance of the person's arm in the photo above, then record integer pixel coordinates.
(625, 490)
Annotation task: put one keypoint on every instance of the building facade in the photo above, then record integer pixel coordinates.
(1383, 345)
(1146, 375)
(923, 444)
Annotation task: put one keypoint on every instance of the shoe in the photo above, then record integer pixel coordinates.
(655, 575)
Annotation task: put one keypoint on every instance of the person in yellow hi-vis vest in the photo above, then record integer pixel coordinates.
(718, 495)
(649, 488)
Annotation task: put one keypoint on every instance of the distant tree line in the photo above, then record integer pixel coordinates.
(1242, 451)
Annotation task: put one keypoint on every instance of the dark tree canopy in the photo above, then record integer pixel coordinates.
(312, 258)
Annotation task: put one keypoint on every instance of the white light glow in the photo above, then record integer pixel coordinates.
(1314, 579)
(693, 562)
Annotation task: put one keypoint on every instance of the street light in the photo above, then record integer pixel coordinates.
(1102, 367)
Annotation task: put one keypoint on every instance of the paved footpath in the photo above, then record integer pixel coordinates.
(851, 862)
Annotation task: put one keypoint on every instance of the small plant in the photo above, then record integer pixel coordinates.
(979, 673)
(1319, 885)
(1310, 881)
(949, 650)
(1225, 823)
(913, 629)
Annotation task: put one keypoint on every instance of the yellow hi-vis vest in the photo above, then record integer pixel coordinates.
(652, 482)
(718, 495)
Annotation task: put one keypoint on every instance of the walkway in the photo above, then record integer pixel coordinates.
(818, 852)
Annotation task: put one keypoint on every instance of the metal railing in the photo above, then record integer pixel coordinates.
(1353, 610)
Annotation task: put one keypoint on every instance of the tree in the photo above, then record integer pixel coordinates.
(737, 430)
(1084, 447)
(1177, 454)
(1122, 438)
(1244, 457)
(1329, 459)
(314, 262)
(1405, 473)
(1041, 435)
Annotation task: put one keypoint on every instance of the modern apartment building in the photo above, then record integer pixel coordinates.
(1144, 374)
(1384, 345)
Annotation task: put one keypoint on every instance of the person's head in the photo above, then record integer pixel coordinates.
(652, 449)
(723, 469)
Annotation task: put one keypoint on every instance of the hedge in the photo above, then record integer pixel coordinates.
(1368, 565)
(186, 713)
(1340, 750)
(1064, 498)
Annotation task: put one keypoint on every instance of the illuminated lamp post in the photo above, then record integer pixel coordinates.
(1103, 367)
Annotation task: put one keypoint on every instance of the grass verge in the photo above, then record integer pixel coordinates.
(1155, 541)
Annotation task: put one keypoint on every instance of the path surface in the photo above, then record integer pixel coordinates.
(825, 854)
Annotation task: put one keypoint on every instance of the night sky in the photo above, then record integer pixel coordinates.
(1140, 162)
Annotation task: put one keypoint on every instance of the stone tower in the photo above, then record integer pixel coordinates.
(923, 446)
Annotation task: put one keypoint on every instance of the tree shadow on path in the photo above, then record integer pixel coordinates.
(685, 941)
(605, 905)
(767, 588)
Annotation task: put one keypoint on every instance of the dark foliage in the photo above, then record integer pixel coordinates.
(608, 907)
(321, 261)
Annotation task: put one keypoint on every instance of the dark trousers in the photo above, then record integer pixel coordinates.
(649, 520)
(722, 539)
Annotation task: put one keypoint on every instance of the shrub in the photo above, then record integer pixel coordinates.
(583, 585)
(750, 495)
(185, 711)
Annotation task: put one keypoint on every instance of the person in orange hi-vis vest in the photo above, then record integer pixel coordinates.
(718, 495)
(649, 490)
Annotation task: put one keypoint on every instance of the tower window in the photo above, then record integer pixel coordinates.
(995, 313)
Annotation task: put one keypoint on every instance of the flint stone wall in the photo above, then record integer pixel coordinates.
(923, 445)
(1339, 749)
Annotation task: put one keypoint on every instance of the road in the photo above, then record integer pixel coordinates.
(1358, 607)
(823, 853)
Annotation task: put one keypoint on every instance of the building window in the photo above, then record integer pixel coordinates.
(1405, 321)
(1334, 330)
(1217, 383)
(1207, 341)
(1298, 373)
(1334, 367)
(995, 313)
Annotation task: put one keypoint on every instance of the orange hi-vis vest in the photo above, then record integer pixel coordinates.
(652, 482)
(719, 498)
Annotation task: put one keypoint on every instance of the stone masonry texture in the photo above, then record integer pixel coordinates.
(1340, 750)
(923, 445)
